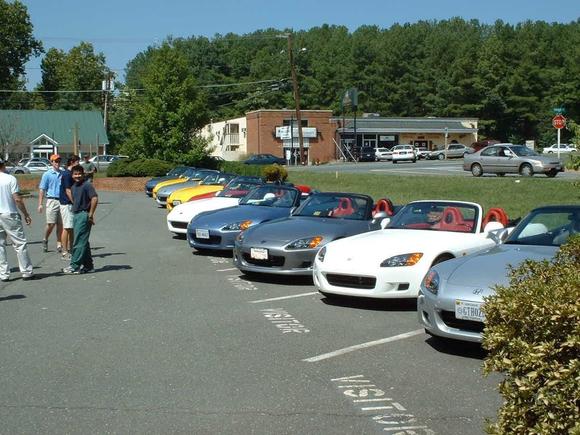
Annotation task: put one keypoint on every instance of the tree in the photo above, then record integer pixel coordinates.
(169, 111)
(81, 69)
(17, 45)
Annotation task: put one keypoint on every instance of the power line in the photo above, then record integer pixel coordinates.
(217, 85)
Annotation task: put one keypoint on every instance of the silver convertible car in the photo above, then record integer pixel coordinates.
(452, 293)
(288, 246)
(218, 229)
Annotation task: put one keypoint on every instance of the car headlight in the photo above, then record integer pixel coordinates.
(402, 260)
(431, 281)
(322, 254)
(306, 243)
(237, 226)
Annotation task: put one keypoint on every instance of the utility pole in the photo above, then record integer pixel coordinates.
(296, 98)
(106, 87)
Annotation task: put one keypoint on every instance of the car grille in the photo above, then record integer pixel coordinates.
(162, 198)
(450, 320)
(182, 225)
(213, 240)
(273, 261)
(351, 281)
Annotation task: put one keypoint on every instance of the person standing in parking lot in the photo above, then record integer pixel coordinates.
(66, 200)
(89, 168)
(50, 188)
(85, 201)
(11, 225)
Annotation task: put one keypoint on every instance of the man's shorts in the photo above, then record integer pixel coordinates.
(52, 211)
(67, 215)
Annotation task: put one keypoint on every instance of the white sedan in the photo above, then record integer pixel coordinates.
(390, 263)
(564, 148)
(180, 216)
(404, 152)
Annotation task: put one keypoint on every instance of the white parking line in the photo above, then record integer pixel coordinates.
(283, 297)
(363, 346)
(227, 270)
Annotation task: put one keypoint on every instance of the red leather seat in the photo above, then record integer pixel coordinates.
(344, 208)
(452, 220)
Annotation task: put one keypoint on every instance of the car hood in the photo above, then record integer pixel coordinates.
(256, 214)
(172, 188)
(297, 227)
(490, 267)
(379, 245)
(188, 210)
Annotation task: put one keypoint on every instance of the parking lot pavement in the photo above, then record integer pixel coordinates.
(159, 339)
(453, 167)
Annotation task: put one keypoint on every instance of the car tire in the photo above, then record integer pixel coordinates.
(476, 170)
(19, 172)
(551, 173)
(526, 170)
(441, 156)
(394, 162)
(414, 160)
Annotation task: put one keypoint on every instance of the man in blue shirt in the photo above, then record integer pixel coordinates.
(50, 188)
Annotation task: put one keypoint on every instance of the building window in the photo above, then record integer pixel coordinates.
(293, 121)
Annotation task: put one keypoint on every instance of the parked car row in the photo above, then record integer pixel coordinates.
(447, 254)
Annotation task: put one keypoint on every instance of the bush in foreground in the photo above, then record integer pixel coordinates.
(533, 338)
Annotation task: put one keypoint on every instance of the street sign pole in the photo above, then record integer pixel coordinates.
(559, 122)
(559, 143)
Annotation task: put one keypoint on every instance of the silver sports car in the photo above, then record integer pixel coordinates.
(218, 229)
(288, 246)
(452, 292)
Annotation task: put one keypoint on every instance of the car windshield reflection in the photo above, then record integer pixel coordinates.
(336, 206)
(546, 228)
(522, 151)
(437, 216)
(271, 196)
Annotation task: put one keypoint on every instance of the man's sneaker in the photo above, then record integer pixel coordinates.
(5, 279)
(72, 271)
(59, 248)
(45, 245)
(28, 276)
(85, 269)
(65, 256)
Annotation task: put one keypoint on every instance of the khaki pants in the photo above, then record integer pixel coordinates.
(11, 226)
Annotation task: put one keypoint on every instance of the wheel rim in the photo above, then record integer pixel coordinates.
(476, 170)
(440, 156)
(526, 171)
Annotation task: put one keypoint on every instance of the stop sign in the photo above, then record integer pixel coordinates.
(559, 121)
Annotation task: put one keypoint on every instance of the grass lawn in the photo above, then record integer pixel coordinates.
(517, 196)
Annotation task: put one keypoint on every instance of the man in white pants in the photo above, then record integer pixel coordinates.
(11, 225)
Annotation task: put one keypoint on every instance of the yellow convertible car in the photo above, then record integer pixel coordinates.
(211, 183)
(193, 176)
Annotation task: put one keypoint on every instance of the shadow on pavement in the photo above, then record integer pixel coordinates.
(465, 349)
(111, 267)
(108, 254)
(209, 253)
(12, 298)
(277, 279)
(371, 304)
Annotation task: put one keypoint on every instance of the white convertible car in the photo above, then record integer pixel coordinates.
(390, 263)
(181, 215)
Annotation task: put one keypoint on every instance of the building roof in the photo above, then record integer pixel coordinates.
(410, 125)
(25, 126)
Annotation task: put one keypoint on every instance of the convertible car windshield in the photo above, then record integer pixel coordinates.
(237, 189)
(271, 196)
(548, 227)
(437, 216)
(339, 206)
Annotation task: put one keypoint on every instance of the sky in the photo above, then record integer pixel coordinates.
(123, 28)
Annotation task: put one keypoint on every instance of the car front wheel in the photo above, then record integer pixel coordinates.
(526, 170)
(552, 173)
(476, 170)
(441, 156)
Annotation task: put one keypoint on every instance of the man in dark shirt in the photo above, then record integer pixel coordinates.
(85, 202)
(65, 198)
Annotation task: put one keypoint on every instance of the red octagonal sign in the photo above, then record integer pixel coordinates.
(559, 121)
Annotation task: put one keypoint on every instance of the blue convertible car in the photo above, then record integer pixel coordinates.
(218, 229)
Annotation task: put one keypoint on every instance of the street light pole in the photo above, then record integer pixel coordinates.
(296, 97)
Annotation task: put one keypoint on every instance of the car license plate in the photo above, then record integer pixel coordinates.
(176, 203)
(259, 253)
(201, 234)
(467, 310)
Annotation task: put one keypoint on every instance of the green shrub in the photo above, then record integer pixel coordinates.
(139, 168)
(275, 173)
(533, 338)
(240, 168)
(573, 163)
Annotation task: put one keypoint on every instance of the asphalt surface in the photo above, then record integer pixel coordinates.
(449, 167)
(161, 340)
